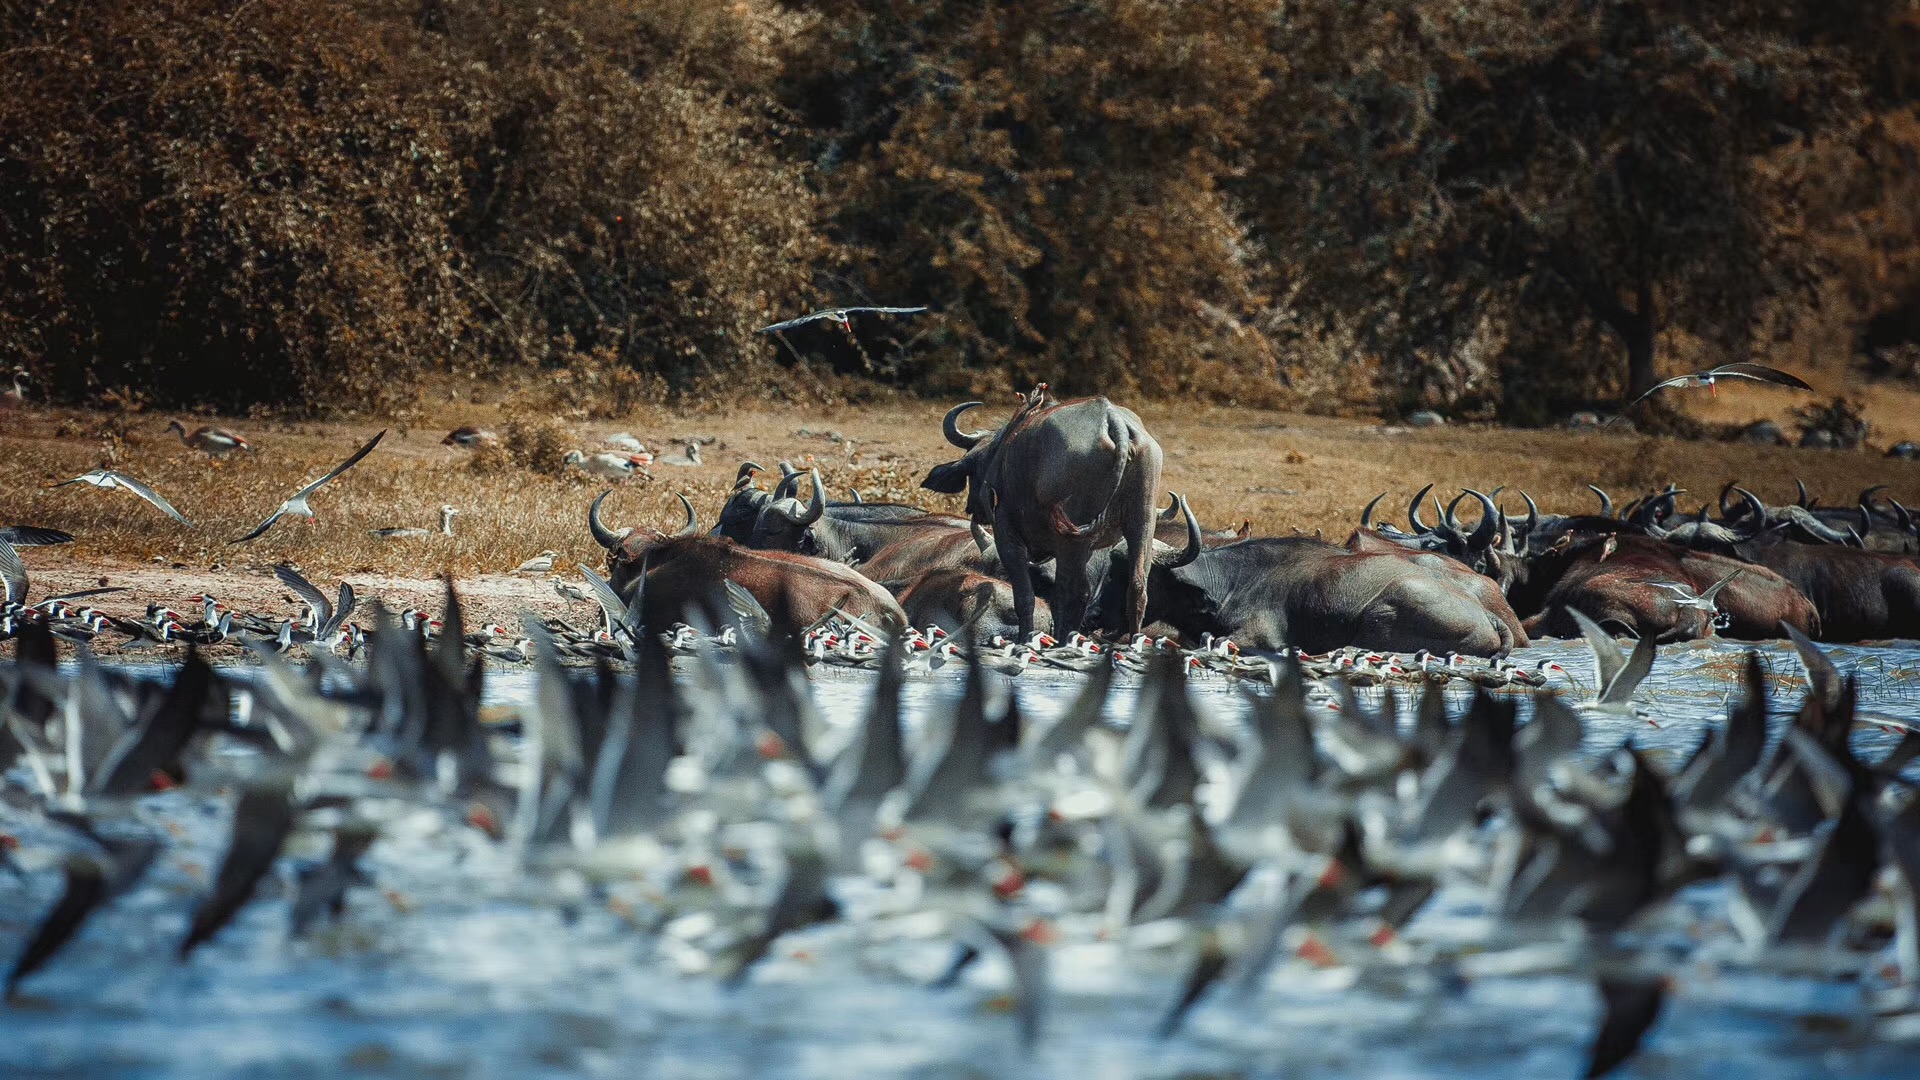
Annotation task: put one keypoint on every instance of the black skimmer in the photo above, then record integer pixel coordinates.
(297, 505)
(108, 480)
(445, 529)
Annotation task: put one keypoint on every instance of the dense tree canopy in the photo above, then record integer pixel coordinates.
(1508, 205)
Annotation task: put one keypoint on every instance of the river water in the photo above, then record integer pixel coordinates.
(451, 966)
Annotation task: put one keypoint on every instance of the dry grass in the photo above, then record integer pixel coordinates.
(1283, 471)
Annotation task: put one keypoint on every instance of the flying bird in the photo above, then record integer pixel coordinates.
(839, 316)
(108, 480)
(1685, 597)
(33, 536)
(1756, 372)
(298, 503)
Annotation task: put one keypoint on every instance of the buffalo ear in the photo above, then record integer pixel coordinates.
(948, 479)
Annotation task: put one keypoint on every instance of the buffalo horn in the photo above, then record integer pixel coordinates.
(1413, 513)
(1805, 500)
(692, 526)
(1606, 501)
(1366, 516)
(1533, 513)
(1483, 533)
(816, 505)
(1192, 550)
(602, 535)
(1173, 508)
(1726, 490)
(951, 425)
(1901, 515)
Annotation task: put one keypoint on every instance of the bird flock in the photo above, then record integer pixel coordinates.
(720, 811)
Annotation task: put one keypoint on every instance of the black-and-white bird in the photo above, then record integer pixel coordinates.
(33, 536)
(838, 316)
(298, 503)
(1685, 597)
(329, 619)
(1755, 372)
(107, 480)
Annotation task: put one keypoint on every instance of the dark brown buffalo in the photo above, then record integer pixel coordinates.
(1062, 480)
(953, 597)
(685, 572)
(1611, 580)
(947, 544)
(1481, 587)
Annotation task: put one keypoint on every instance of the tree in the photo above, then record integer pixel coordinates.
(1542, 164)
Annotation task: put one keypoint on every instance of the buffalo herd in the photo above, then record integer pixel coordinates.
(1063, 533)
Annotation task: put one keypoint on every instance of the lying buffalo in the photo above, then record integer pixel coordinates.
(1060, 480)
(1626, 582)
(953, 598)
(850, 533)
(1482, 588)
(684, 573)
(1294, 591)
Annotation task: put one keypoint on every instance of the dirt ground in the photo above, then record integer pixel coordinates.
(1284, 472)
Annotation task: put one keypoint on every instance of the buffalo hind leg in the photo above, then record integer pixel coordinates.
(1018, 564)
(1072, 589)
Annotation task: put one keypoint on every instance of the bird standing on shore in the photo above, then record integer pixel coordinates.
(445, 529)
(297, 505)
(16, 395)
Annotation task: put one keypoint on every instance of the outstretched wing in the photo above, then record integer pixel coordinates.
(610, 601)
(1721, 584)
(309, 595)
(148, 494)
(342, 467)
(1607, 660)
(343, 608)
(1762, 373)
(1680, 380)
(889, 310)
(1620, 690)
(13, 574)
(801, 321)
(264, 526)
(34, 536)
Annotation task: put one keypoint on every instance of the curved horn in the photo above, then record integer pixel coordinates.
(1192, 551)
(1805, 499)
(817, 505)
(1867, 494)
(980, 538)
(1366, 516)
(1725, 491)
(1901, 516)
(1413, 513)
(951, 426)
(602, 535)
(1446, 516)
(1866, 519)
(692, 526)
(1606, 501)
(788, 485)
(1533, 512)
(1483, 533)
(1173, 508)
(1854, 538)
(857, 500)
(1754, 506)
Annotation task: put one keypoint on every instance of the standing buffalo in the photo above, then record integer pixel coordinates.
(1060, 480)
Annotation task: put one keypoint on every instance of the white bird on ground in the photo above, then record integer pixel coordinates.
(690, 458)
(445, 529)
(15, 396)
(610, 466)
(539, 564)
(108, 480)
(297, 505)
(624, 441)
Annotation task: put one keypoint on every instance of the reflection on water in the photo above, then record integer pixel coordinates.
(449, 968)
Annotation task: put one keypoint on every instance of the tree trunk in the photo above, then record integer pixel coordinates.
(1638, 338)
(1634, 328)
